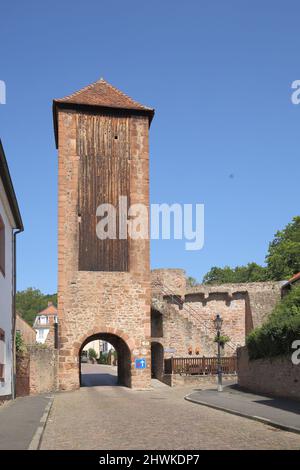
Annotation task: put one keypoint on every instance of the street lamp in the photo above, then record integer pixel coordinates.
(218, 325)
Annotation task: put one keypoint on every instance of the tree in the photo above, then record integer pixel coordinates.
(31, 301)
(191, 281)
(282, 261)
(283, 258)
(92, 354)
(276, 336)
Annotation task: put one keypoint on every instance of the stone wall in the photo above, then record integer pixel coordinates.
(188, 316)
(276, 377)
(259, 297)
(181, 334)
(92, 303)
(36, 371)
(172, 280)
(27, 332)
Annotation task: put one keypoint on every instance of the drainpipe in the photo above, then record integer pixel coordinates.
(14, 312)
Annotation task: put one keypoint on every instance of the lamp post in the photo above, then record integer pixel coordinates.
(218, 325)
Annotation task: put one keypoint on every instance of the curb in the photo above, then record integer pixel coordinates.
(37, 438)
(260, 419)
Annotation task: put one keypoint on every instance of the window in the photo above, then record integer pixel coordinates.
(2, 246)
(2, 354)
(41, 334)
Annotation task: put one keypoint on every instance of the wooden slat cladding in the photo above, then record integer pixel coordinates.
(104, 175)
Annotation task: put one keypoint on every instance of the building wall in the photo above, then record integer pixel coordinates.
(36, 371)
(6, 296)
(276, 376)
(96, 302)
(44, 325)
(42, 335)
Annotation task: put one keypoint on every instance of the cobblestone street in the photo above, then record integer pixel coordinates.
(112, 417)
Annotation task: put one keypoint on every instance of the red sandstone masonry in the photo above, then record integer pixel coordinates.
(242, 307)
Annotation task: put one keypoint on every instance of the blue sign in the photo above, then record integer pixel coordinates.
(140, 363)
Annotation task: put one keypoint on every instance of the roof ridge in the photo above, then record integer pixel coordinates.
(109, 85)
(122, 93)
(75, 93)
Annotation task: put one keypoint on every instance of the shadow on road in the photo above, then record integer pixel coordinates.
(95, 380)
(94, 375)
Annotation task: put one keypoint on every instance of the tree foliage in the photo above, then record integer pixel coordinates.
(275, 337)
(31, 301)
(191, 281)
(92, 353)
(250, 273)
(282, 261)
(283, 258)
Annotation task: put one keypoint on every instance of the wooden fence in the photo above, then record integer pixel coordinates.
(200, 365)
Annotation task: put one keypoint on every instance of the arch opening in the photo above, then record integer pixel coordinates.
(111, 368)
(157, 360)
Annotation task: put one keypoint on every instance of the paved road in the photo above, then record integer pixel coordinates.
(95, 375)
(120, 418)
(19, 421)
(281, 411)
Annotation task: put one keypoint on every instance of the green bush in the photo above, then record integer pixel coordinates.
(20, 345)
(103, 358)
(223, 339)
(275, 337)
(92, 353)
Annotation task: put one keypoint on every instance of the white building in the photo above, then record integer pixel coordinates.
(10, 225)
(44, 324)
(105, 346)
(99, 346)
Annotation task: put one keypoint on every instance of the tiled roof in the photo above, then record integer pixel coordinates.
(294, 278)
(50, 310)
(102, 93)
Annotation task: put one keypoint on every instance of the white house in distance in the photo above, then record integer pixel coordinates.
(44, 324)
(99, 346)
(10, 225)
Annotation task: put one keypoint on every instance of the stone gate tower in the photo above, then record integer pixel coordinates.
(103, 284)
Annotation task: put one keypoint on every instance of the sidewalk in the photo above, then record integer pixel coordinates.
(279, 412)
(22, 422)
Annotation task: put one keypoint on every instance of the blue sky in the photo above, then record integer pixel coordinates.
(225, 132)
